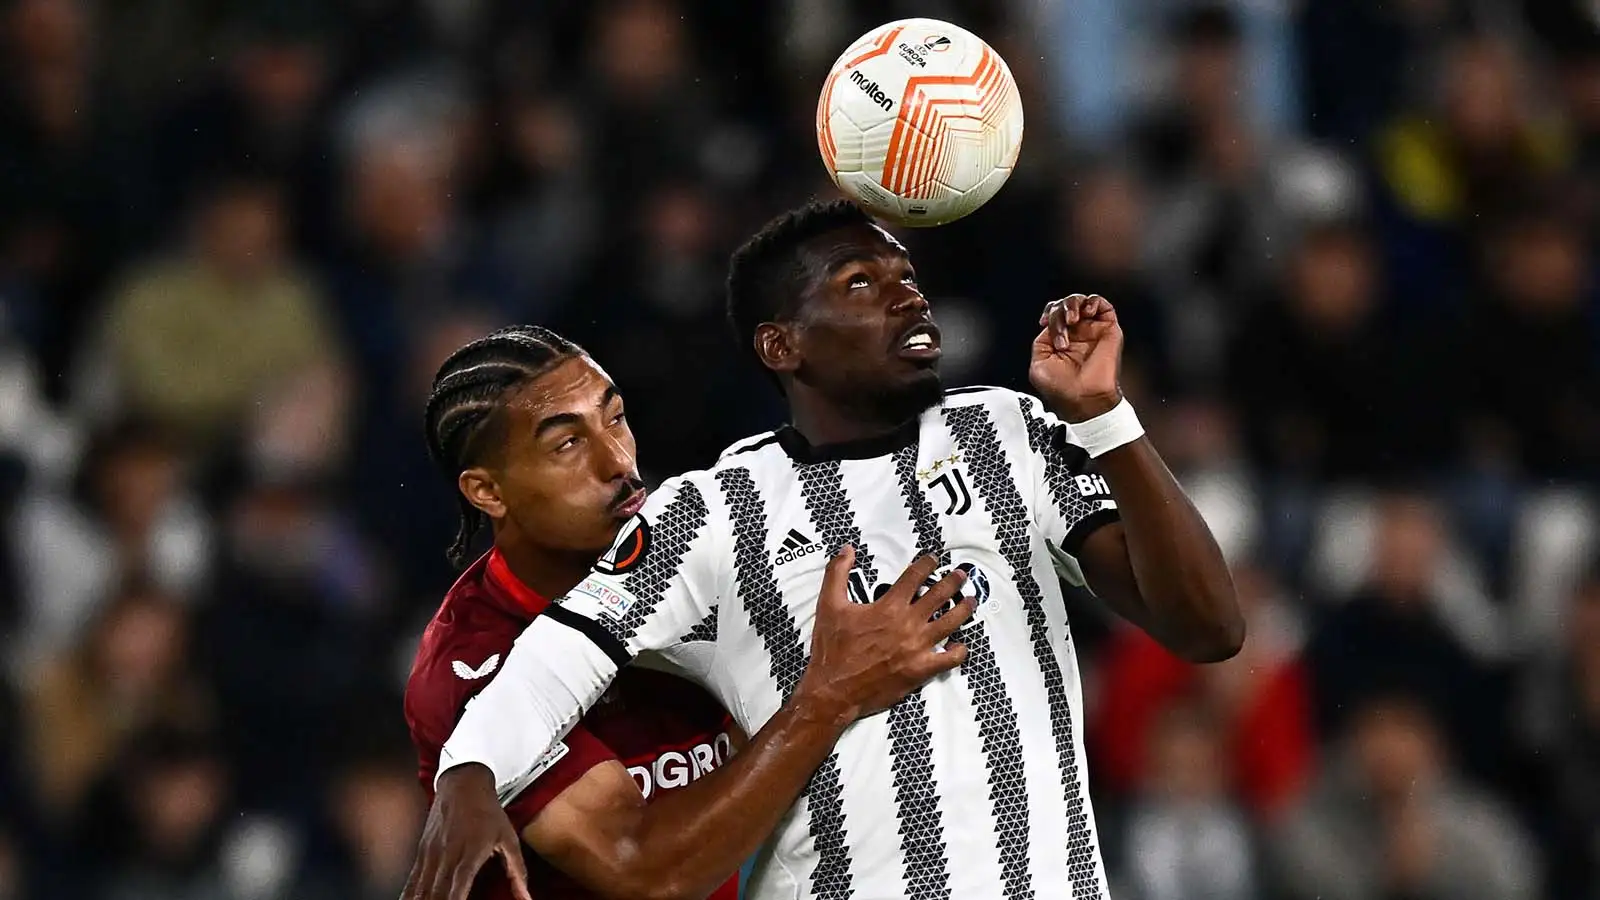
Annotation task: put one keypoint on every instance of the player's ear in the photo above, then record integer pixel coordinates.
(482, 491)
(776, 346)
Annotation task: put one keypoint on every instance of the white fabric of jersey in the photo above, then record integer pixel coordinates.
(973, 787)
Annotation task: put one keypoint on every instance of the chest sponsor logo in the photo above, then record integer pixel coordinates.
(977, 587)
(677, 768)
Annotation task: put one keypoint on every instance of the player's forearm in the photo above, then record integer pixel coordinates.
(1182, 580)
(691, 840)
(551, 676)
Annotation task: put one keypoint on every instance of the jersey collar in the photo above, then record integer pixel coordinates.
(526, 598)
(803, 451)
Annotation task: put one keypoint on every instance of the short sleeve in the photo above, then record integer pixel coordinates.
(568, 761)
(660, 578)
(1069, 500)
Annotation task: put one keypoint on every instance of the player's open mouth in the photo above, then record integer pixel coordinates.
(921, 343)
(630, 506)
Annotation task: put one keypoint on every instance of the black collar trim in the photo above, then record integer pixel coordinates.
(801, 450)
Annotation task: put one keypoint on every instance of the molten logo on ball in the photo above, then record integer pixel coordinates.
(871, 89)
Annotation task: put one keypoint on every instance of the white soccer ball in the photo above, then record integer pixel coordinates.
(919, 122)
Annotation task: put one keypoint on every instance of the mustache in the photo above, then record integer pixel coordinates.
(629, 487)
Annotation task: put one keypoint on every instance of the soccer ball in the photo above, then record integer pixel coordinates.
(919, 122)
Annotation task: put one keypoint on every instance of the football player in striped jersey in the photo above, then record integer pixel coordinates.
(646, 796)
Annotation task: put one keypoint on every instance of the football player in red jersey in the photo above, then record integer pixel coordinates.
(644, 797)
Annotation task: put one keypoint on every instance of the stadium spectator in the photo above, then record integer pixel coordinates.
(1257, 706)
(1392, 819)
(1395, 633)
(131, 672)
(128, 516)
(194, 341)
(171, 798)
(1186, 838)
(1560, 716)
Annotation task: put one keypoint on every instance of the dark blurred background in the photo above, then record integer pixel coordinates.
(1350, 242)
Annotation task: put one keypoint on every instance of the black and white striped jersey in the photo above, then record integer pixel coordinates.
(976, 785)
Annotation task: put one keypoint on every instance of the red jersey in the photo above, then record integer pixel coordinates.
(667, 731)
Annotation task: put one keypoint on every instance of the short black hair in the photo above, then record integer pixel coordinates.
(469, 393)
(765, 281)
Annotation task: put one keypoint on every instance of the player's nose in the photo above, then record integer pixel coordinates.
(907, 300)
(614, 458)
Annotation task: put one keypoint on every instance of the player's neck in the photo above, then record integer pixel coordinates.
(549, 573)
(822, 424)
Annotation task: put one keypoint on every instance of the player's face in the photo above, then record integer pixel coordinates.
(569, 475)
(865, 334)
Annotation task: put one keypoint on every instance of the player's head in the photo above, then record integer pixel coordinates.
(826, 301)
(531, 430)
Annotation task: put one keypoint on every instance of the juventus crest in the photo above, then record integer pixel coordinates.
(955, 490)
(948, 482)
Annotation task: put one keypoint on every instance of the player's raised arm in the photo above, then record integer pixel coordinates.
(1159, 566)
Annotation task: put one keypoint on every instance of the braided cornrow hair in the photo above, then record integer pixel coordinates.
(468, 396)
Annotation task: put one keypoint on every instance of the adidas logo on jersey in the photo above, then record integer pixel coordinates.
(794, 546)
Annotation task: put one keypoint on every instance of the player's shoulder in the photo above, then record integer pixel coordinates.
(747, 450)
(1005, 404)
(746, 453)
(1016, 416)
(462, 646)
(689, 496)
(975, 394)
(740, 453)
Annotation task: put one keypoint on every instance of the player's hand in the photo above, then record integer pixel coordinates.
(1076, 357)
(866, 657)
(465, 827)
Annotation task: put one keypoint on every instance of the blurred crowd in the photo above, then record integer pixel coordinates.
(1350, 243)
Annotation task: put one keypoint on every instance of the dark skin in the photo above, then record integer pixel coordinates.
(1159, 567)
(556, 493)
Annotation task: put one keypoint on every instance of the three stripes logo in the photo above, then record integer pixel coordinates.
(794, 546)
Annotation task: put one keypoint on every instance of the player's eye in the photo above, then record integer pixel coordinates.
(909, 278)
(859, 281)
(567, 444)
(619, 418)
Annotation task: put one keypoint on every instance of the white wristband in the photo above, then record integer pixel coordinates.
(1109, 430)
